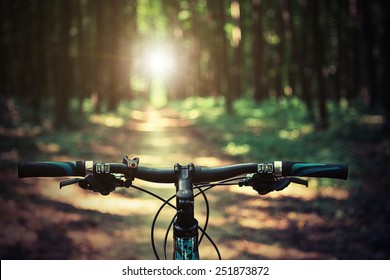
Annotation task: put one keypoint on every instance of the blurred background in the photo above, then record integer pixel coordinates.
(209, 82)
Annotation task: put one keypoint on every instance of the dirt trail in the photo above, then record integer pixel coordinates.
(164, 139)
(39, 221)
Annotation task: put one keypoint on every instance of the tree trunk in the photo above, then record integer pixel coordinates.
(320, 67)
(236, 68)
(353, 45)
(386, 69)
(63, 93)
(224, 58)
(38, 63)
(304, 63)
(100, 80)
(257, 51)
(115, 32)
(370, 68)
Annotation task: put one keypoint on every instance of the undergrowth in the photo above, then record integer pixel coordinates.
(284, 130)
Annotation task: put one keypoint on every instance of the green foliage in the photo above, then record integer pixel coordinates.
(281, 130)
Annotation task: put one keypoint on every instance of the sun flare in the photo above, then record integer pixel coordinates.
(160, 62)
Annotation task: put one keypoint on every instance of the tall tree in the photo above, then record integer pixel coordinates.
(320, 65)
(279, 60)
(291, 40)
(220, 53)
(38, 70)
(353, 51)
(236, 43)
(224, 57)
(370, 68)
(64, 68)
(386, 66)
(257, 51)
(306, 69)
(83, 57)
(100, 86)
(114, 48)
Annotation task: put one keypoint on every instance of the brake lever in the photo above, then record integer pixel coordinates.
(299, 181)
(69, 182)
(284, 182)
(270, 183)
(103, 183)
(281, 184)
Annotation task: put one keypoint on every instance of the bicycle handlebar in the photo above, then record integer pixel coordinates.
(167, 175)
(323, 170)
(51, 169)
(106, 177)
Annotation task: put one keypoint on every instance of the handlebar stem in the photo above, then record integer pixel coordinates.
(185, 226)
(184, 195)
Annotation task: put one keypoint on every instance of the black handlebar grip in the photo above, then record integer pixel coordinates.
(324, 170)
(51, 169)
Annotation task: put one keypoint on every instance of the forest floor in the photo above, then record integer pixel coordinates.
(39, 221)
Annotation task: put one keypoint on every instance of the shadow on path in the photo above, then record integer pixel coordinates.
(38, 221)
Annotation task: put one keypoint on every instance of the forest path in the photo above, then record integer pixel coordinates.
(73, 223)
(39, 221)
(163, 139)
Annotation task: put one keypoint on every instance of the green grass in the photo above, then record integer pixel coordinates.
(283, 130)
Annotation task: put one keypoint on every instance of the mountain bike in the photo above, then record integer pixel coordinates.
(190, 181)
